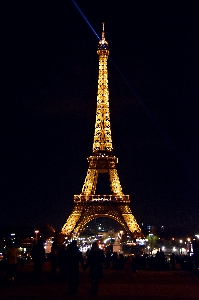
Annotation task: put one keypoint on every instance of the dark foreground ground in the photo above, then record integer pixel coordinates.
(143, 285)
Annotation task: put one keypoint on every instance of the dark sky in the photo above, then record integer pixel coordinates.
(49, 87)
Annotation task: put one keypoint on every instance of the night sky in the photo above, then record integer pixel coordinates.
(49, 75)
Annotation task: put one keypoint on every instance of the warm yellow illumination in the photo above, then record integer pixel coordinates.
(88, 205)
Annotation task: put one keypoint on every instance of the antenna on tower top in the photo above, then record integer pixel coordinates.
(103, 33)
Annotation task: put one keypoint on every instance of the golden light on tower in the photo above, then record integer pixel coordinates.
(88, 205)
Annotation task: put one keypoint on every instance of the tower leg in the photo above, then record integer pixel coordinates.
(89, 186)
(72, 221)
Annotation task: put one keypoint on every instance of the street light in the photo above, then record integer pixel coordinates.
(180, 246)
(150, 234)
(36, 232)
(188, 245)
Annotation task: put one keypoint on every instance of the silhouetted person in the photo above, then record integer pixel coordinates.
(115, 257)
(173, 261)
(160, 263)
(127, 267)
(11, 262)
(74, 257)
(62, 263)
(120, 262)
(95, 262)
(54, 260)
(38, 257)
(87, 252)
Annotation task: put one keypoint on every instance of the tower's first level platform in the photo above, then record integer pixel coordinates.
(102, 198)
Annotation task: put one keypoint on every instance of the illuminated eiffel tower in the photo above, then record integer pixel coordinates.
(88, 205)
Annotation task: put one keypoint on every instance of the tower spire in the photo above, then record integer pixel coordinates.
(103, 33)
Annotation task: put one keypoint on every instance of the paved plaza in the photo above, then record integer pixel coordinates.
(143, 285)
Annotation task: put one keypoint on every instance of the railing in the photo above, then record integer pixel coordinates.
(101, 198)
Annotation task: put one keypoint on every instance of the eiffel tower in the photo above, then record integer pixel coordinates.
(88, 205)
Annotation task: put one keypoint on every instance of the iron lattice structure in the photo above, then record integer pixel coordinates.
(88, 205)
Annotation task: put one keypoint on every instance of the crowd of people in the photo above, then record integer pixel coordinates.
(68, 260)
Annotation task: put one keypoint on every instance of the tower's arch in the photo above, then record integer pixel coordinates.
(82, 223)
